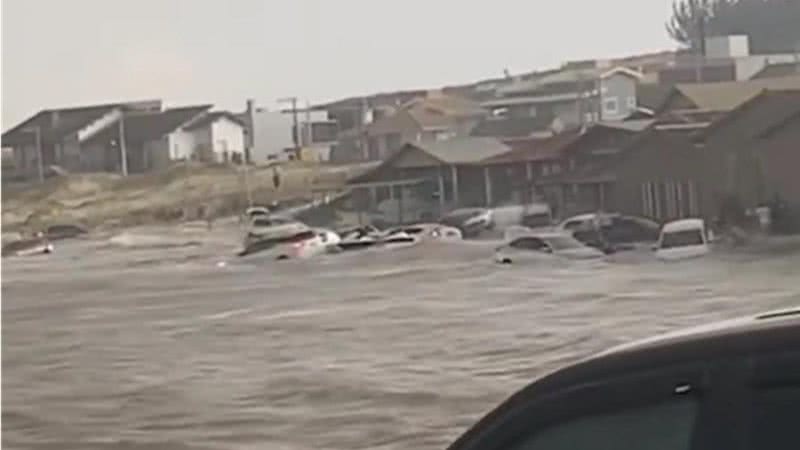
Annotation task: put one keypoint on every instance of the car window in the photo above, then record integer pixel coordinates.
(664, 426)
(775, 419)
(682, 238)
(528, 243)
(563, 242)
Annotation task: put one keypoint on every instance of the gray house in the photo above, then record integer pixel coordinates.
(570, 97)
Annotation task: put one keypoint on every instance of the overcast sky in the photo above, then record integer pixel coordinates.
(61, 53)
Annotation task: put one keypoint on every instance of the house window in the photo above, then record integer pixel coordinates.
(611, 105)
(532, 111)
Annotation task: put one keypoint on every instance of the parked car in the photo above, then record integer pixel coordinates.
(683, 239)
(733, 385)
(537, 246)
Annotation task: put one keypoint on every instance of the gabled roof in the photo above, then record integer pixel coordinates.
(430, 113)
(462, 150)
(727, 95)
(778, 70)
(533, 149)
(141, 127)
(213, 117)
(54, 124)
(757, 115)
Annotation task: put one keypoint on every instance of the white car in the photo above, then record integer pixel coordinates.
(535, 247)
(430, 232)
(471, 221)
(683, 239)
(359, 238)
(38, 245)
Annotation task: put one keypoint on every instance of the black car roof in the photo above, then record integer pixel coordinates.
(772, 331)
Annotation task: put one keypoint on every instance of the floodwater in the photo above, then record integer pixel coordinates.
(153, 348)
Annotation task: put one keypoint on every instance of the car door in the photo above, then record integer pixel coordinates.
(773, 396)
(666, 409)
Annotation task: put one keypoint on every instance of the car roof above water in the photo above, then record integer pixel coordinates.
(683, 225)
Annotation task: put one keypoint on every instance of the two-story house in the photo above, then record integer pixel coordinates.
(570, 97)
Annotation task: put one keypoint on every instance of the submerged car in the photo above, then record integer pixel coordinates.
(471, 221)
(430, 232)
(537, 246)
(611, 232)
(683, 239)
(359, 238)
(38, 245)
(271, 227)
(733, 385)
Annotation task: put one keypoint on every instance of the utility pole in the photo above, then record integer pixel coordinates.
(122, 149)
(701, 45)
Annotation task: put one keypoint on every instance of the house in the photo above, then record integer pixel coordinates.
(436, 117)
(88, 139)
(724, 96)
(583, 177)
(572, 97)
(726, 58)
(452, 172)
(744, 152)
(154, 139)
(747, 156)
(57, 136)
(217, 136)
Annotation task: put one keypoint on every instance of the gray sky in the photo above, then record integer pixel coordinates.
(60, 53)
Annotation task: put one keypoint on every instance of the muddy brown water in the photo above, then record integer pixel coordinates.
(136, 348)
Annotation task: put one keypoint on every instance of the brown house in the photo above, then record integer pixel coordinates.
(746, 156)
(743, 149)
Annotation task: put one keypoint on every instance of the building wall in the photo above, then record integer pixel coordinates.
(780, 161)
(181, 144)
(620, 91)
(661, 178)
(227, 136)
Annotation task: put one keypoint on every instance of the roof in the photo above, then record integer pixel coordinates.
(57, 123)
(652, 96)
(683, 225)
(725, 96)
(534, 149)
(463, 150)
(213, 117)
(140, 127)
(511, 127)
(769, 109)
(778, 330)
(778, 70)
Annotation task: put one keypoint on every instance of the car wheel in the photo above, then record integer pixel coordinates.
(505, 261)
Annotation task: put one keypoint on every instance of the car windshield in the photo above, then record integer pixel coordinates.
(682, 239)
